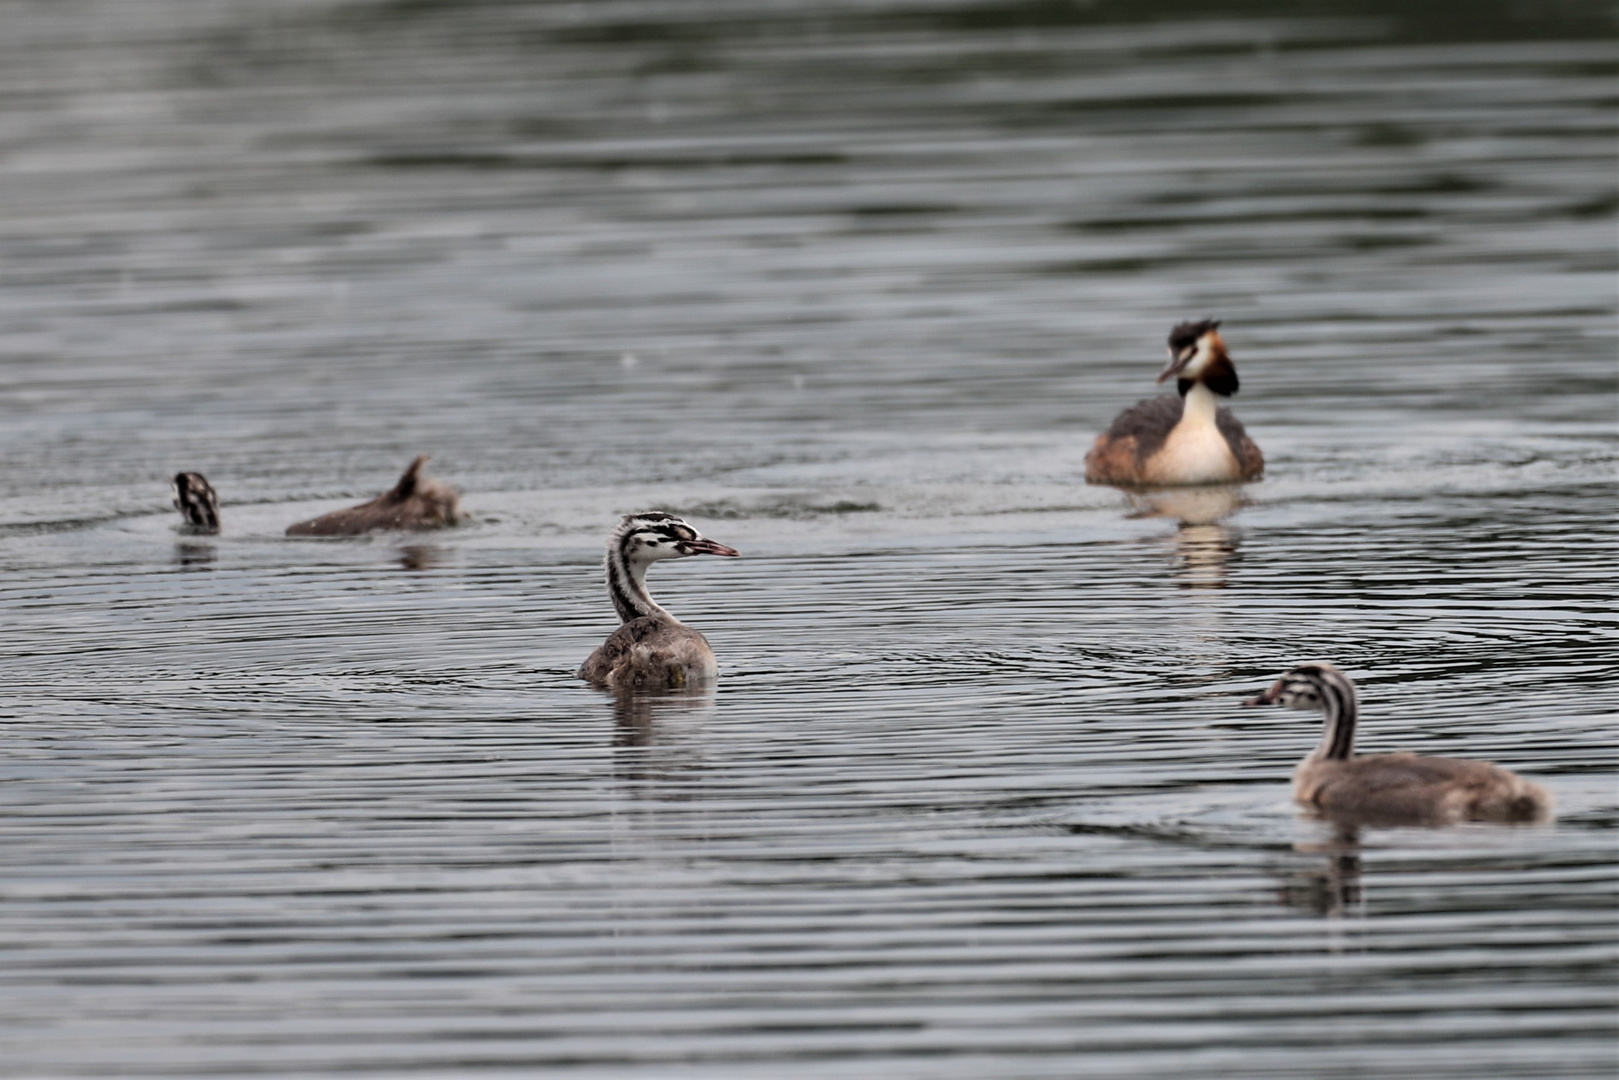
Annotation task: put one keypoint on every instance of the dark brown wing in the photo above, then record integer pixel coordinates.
(416, 502)
(598, 668)
(647, 652)
(1134, 436)
(1247, 454)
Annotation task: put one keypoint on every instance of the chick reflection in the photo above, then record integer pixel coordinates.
(192, 555)
(1331, 889)
(421, 557)
(655, 732)
(1204, 545)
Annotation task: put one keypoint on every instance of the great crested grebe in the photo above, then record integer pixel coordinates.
(416, 502)
(195, 499)
(1189, 439)
(1392, 787)
(653, 649)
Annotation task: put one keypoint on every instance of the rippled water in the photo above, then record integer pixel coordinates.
(852, 285)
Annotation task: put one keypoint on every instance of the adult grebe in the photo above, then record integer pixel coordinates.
(195, 499)
(1189, 439)
(1392, 787)
(417, 502)
(652, 649)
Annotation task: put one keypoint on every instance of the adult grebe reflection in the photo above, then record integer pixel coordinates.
(1204, 544)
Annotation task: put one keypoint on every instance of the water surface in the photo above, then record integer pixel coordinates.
(852, 286)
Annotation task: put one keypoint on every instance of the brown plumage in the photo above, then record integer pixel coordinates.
(1129, 453)
(1188, 439)
(651, 652)
(652, 649)
(1428, 790)
(417, 502)
(1392, 788)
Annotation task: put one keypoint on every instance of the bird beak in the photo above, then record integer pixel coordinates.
(704, 546)
(1176, 366)
(1268, 697)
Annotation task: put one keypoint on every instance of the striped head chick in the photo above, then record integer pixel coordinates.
(195, 499)
(1319, 687)
(1397, 788)
(1198, 355)
(641, 540)
(1307, 686)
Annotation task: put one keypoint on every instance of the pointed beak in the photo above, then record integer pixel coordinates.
(704, 546)
(1268, 697)
(1176, 366)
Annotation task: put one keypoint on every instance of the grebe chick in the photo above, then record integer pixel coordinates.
(653, 649)
(1189, 439)
(195, 499)
(1392, 787)
(417, 502)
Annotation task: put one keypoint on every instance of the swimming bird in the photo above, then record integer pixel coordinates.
(417, 502)
(652, 649)
(195, 499)
(1392, 788)
(1189, 439)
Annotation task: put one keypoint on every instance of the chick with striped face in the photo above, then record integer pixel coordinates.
(1391, 788)
(652, 649)
(655, 535)
(1308, 686)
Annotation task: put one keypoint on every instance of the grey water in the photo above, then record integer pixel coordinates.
(851, 285)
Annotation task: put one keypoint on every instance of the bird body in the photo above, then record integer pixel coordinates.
(1183, 440)
(651, 649)
(1411, 788)
(1392, 788)
(417, 502)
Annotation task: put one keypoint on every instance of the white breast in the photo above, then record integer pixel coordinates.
(1195, 452)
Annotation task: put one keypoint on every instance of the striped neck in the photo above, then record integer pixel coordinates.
(1339, 703)
(626, 582)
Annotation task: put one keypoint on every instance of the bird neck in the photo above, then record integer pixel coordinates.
(1338, 736)
(1201, 405)
(626, 585)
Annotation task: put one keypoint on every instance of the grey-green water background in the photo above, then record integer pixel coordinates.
(852, 284)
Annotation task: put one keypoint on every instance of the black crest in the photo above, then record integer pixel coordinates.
(1185, 335)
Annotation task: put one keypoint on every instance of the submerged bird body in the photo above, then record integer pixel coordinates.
(652, 649)
(1392, 788)
(417, 502)
(1189, 439)
(195, 499)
